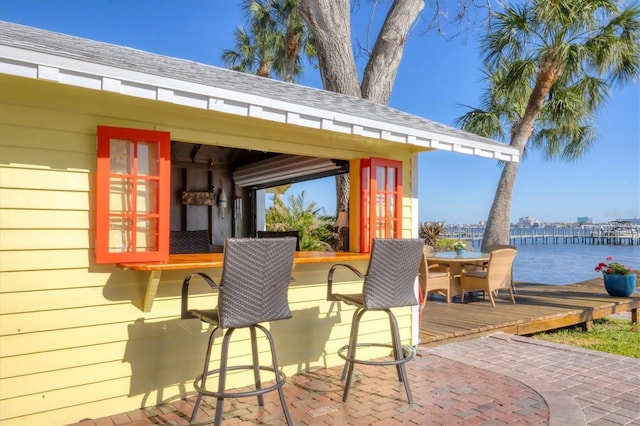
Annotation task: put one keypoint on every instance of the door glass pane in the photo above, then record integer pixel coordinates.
(121, 156)
(148, 159)
(391, 179)
(146, 192)
(391, 229)
(380, 181)
(380, 205)
(364, 178)
(380, 229)
(146, 235)
(119, 195)
(119, 235)
(391, 205)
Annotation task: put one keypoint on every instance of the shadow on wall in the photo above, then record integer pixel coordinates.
(131, 285)
(310, 341)
(164, 354)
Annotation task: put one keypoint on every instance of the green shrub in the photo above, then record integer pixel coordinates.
(314, 231)
(446, 244)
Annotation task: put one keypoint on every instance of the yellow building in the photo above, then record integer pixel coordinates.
(81, 337)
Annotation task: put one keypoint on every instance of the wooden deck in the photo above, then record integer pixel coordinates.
(538, 307)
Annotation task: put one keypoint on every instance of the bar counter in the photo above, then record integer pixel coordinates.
(215, 260)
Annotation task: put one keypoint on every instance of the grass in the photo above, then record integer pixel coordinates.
(612, 335)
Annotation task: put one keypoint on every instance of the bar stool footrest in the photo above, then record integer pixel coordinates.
(278, 384)
(409, 352)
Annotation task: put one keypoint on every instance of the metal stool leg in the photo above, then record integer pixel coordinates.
(347, 372)
(222, 376)
(354, 332)
(221, 394)
(256, 364)
(205, 370)
(399, 355)
(395, 342)
(274, 362)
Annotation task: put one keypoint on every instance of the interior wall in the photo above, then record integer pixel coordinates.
(195, 169)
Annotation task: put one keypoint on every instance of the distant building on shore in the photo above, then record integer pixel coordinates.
(528, 222)
(634, 221)
(584, 220)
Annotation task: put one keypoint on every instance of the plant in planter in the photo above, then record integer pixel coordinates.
(459, 246)
(619, 280)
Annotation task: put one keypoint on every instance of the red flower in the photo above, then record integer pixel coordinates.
(614, 268)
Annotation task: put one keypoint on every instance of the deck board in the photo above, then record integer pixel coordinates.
(538, 307)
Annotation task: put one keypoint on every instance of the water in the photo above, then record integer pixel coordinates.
(568, 263)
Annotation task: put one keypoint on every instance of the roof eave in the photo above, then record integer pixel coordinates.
(81, 73)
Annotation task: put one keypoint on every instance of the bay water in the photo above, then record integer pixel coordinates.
(562, 264)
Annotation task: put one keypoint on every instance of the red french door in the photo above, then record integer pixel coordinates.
(381, 195)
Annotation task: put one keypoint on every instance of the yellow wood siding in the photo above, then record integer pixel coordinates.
(75, 343)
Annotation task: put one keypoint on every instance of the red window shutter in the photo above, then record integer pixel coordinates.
(132, 195)
(380, 202)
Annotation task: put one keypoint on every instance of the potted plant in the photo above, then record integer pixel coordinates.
(459, 246)
(618, 279)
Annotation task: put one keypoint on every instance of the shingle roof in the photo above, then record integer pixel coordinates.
(37, 53)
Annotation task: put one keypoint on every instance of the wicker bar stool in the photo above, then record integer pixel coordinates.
(253, 289)
(390, 282)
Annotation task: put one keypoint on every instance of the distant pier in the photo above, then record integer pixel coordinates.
(551, 235)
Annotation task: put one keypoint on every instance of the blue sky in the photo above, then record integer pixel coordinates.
(436, 78)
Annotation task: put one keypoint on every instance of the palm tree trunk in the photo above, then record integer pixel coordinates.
(342, 193)
(499, 224)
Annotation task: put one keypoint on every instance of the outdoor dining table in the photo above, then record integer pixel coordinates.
(456, 263)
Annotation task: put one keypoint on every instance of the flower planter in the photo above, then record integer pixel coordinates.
(459, 251)
(620, 285)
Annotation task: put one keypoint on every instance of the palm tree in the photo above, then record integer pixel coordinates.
(549, 67)
(275, 41)
(253, 53)
(293, 39)
(306, 219)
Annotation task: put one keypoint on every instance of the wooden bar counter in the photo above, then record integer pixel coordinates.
(215, 260)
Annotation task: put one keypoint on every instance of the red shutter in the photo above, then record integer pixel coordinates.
(132, 195)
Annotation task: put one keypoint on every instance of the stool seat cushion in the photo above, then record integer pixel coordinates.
(437, 274)
(476, 274)
(206, 315)
(351, 299)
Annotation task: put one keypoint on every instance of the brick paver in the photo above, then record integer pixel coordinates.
(580, 386)
(495, 380)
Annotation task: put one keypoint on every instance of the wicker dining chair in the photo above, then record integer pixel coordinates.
(433, 278)
(253, 289)
(390, 282)
(502, 246)
(496, 276)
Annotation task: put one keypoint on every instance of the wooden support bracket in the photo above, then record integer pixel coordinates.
(152, 289)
